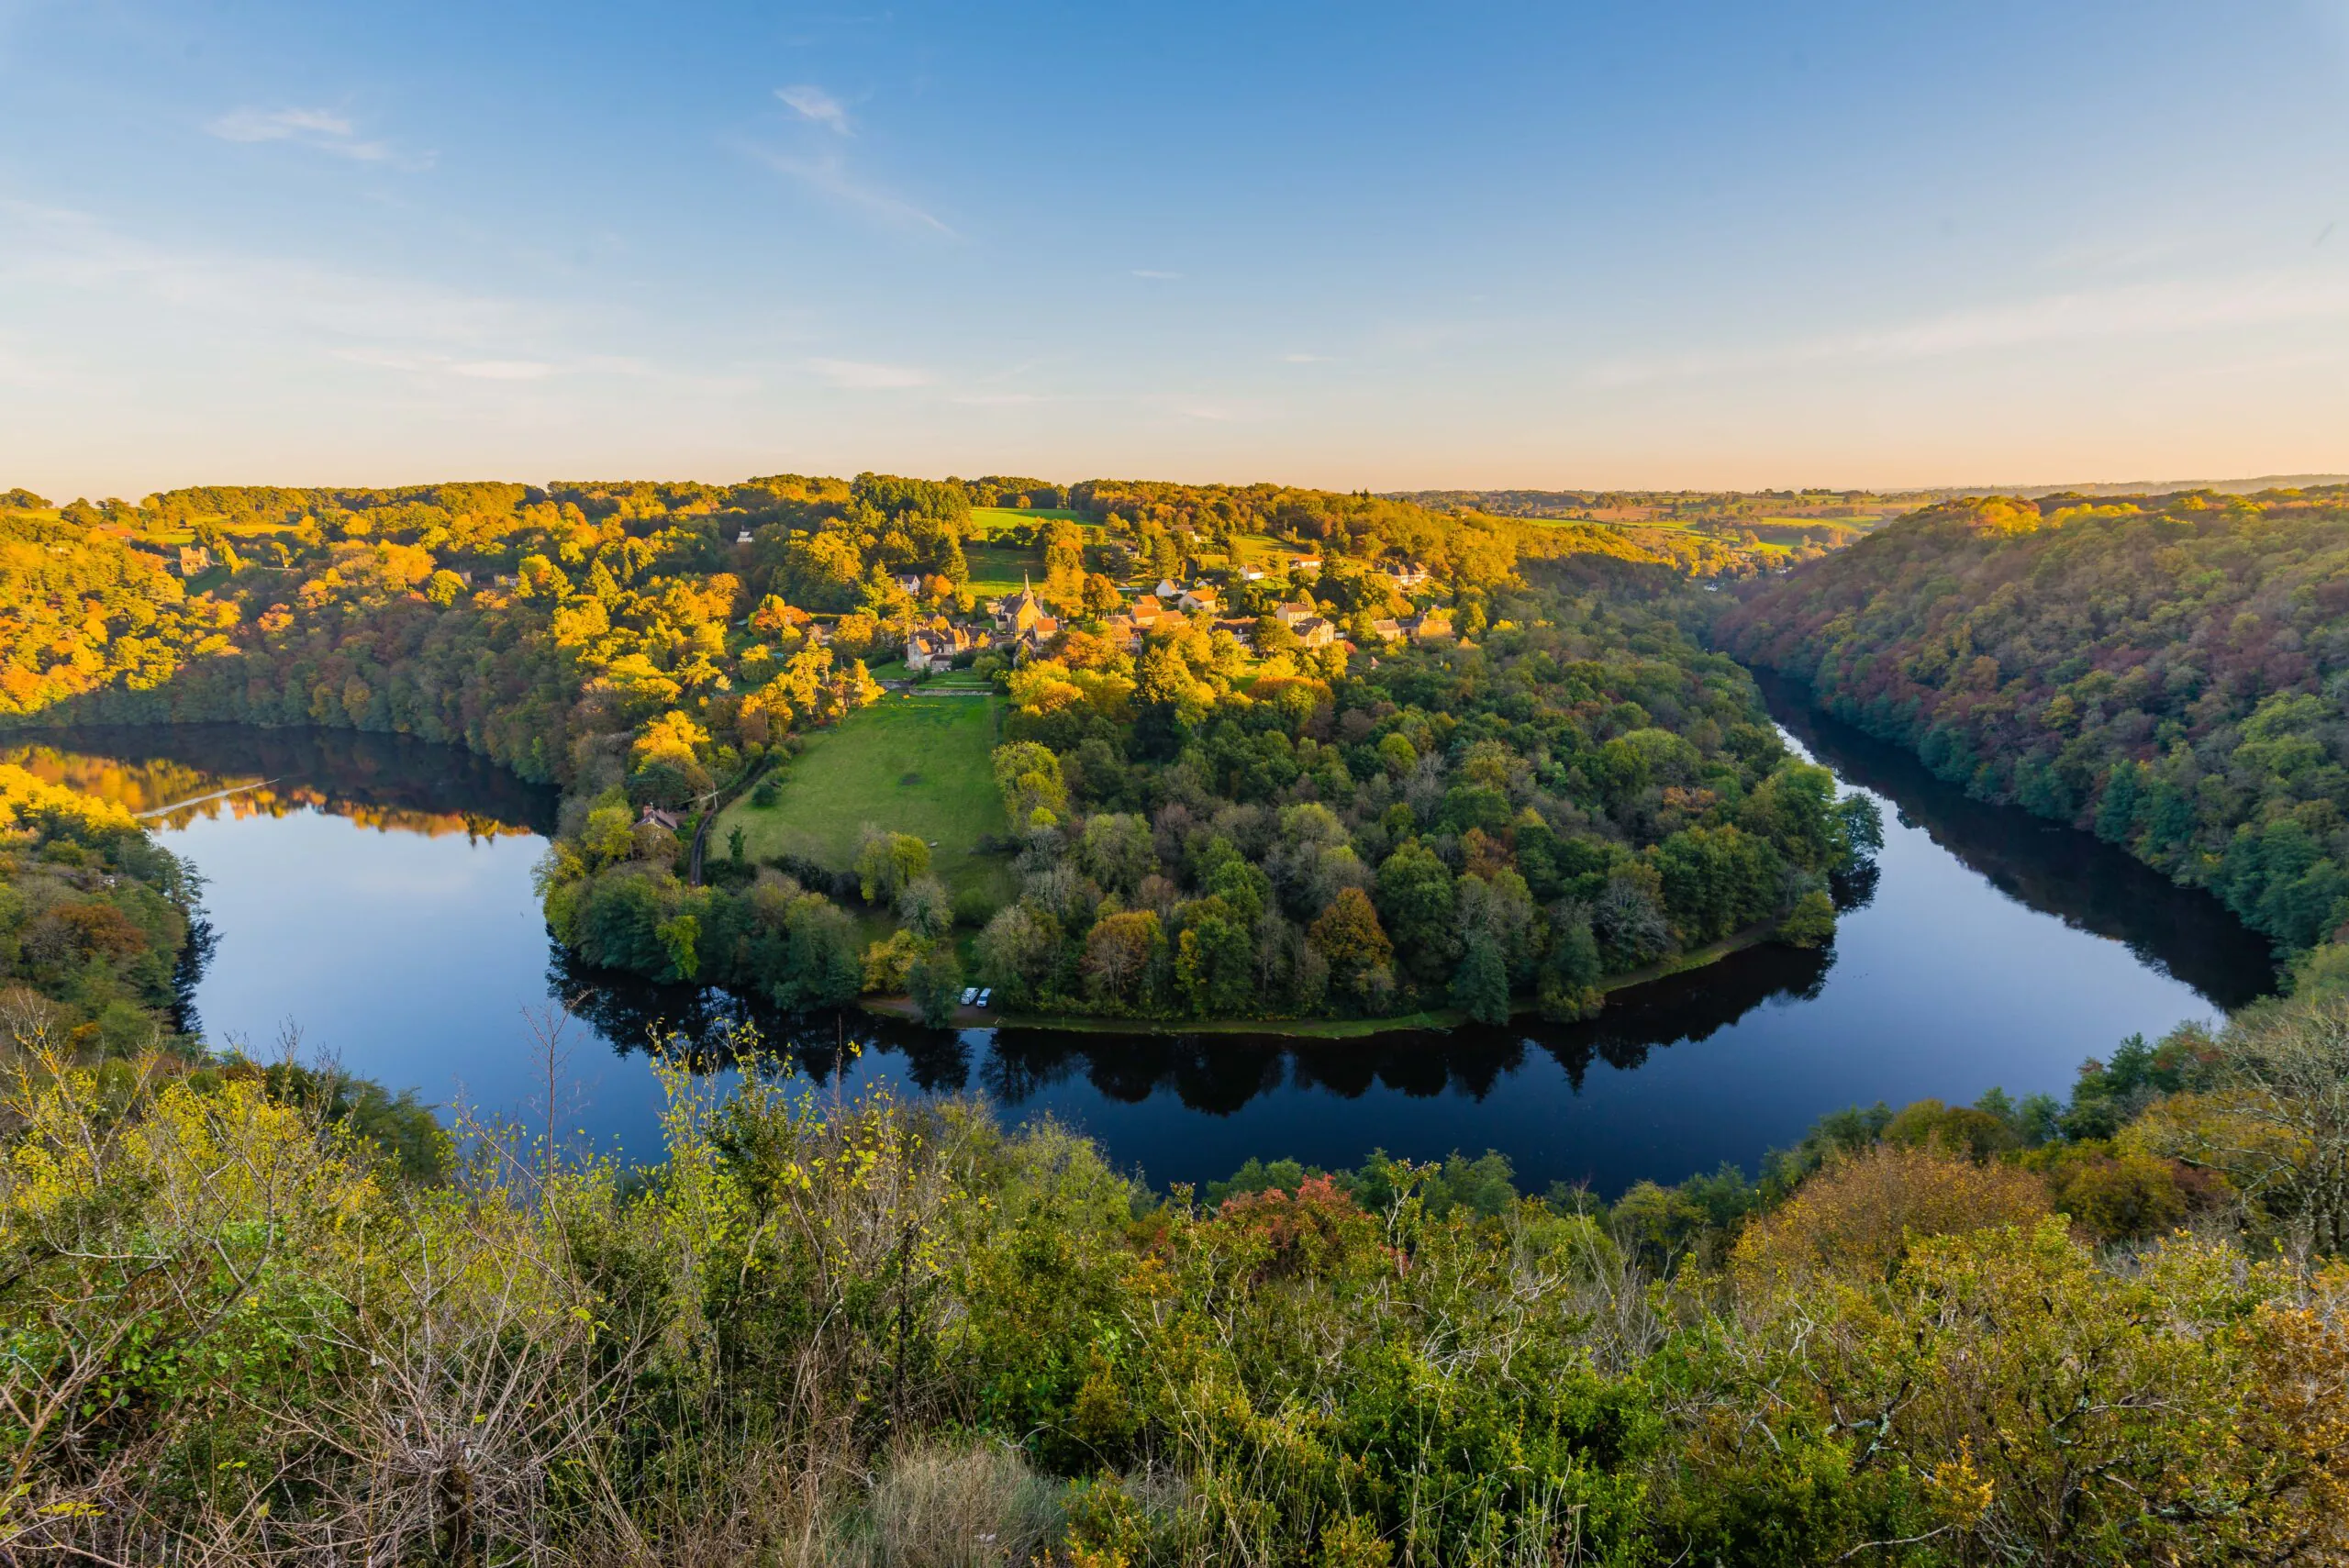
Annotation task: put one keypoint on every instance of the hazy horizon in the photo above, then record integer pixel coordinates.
(1708, 247)
(2247, 483)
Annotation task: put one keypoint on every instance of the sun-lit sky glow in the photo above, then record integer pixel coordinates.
(1347, 245)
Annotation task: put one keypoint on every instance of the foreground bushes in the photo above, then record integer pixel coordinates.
(868, 1333)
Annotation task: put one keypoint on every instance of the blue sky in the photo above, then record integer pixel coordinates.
(1348, 245)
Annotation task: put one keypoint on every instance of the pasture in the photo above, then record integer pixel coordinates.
(909, 764)
(988, 520)
(996, 564)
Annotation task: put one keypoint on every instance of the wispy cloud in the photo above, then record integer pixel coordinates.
(858, 376)
(829, 175)
(73, 250)
(320, 128)
(2137, 310)
(417, 362)
(2134, 311)
(430, 365)
(1155, 273)
(502, 370)
(814, 104)
(416, 328)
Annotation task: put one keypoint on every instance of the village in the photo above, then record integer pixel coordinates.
(1023, 624)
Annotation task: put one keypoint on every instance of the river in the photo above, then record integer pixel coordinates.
(370, 899)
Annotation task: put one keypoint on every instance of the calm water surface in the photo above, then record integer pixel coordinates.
(374, 895)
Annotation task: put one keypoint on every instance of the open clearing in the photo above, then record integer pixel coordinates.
(909, 764)
(995, 567)
(989, 519)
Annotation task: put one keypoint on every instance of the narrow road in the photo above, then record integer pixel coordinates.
(718, 802)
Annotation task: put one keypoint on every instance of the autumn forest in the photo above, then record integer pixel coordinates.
(1124, 754)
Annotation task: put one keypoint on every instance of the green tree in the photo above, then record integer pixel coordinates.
(1415, 902)
(822, 967)
(1029, 776)
(1810, 922)
(1715, 881)
(1117, 852)
(1570, 971)
(925, 909)
(1017, 952)
(1480, 987)
(887, 862)
(935, 983)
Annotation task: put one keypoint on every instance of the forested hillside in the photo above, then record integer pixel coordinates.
(2167, 672)
(537, 626)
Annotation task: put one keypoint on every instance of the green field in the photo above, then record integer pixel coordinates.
(988, 519)
(909, 764)
(996, 568)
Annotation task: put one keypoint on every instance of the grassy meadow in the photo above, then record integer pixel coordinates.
(995, 567)
(910, 764)
(989, 519)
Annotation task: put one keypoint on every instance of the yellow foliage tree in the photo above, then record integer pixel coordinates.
(1859, 1216)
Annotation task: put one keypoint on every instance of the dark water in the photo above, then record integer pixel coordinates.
(374, 895)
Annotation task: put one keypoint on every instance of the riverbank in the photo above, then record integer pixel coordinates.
(1311, 1029)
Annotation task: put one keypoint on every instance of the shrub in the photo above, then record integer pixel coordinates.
(2129, 1196)
(1859, 1216)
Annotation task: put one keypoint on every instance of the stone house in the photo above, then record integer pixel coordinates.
(1431, 623)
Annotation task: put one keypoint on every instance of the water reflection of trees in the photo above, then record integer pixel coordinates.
(2088, 884)
(1218, 1073)
(708, 1030)
(387, 782)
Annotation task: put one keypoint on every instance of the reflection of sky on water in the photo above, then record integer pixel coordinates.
(413, 960)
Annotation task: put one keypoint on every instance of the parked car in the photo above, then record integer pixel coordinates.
(969, 991)
(985, 994)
